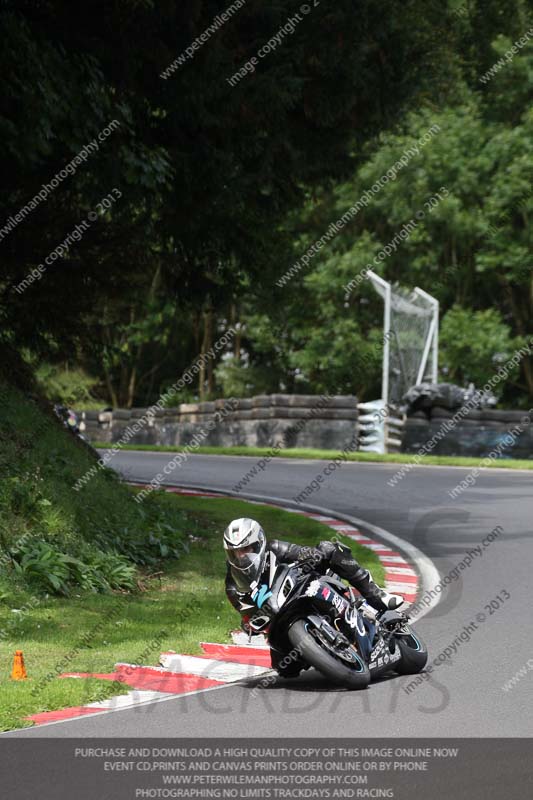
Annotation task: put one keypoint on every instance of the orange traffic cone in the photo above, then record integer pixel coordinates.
(18, 673)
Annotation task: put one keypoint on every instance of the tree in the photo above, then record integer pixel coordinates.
(474, 344)
(463, 202)
(206, 172)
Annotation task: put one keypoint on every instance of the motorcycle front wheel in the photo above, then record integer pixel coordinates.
(344, 667)
(414, 654)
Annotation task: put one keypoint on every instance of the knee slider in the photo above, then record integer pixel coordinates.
(342, 556)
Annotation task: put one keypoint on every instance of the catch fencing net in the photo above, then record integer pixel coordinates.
(411, 329)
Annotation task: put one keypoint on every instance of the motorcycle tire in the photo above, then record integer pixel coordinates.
(414, 654)
(330, 666)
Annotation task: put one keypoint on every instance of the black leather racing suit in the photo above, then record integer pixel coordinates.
(327, 555)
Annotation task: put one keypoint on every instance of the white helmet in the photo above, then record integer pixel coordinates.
(245, 546)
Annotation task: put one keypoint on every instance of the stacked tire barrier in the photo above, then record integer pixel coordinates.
(320, 421)
(485, 433)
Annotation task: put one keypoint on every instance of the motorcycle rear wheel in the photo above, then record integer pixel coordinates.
(318, 655)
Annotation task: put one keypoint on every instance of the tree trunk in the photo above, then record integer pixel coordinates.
(201, 373)
(206, 345)
(196, 330)
(521, 308)
(210, 363)
(110, 388)
(131, 387)
(107, 374)
(135, 384)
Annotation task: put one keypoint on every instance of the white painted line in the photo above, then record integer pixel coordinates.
(408, 588)
(378, 547)
(341, 524)
(348, 528)
(401, 571)
(130, 699)
(241, 638)
(143, 697)
(225, 671)
(163, 698)
(132, 667)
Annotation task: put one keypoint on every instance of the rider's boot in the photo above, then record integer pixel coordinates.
(378, 598)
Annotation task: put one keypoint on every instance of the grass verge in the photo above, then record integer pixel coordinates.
(66, 524)
(326, 455)
(184, 604)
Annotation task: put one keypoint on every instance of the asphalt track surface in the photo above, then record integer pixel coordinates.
(462, 697)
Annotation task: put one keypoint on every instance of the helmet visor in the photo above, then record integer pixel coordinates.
(247, 562)
(244, 558)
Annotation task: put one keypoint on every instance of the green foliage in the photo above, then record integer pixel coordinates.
(472, 249)
(48, 570)
(41, 564)
(238, 379)
(56, 538)
(70, 387)
(174, 399)
(474, 344)
(324, 455)
(281, 155)
(332, 84)
(185, 605)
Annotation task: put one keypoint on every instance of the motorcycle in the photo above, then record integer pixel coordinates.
(69, 418)
(74, 424)
(315, 620)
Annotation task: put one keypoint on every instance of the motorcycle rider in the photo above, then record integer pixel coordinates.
(247, 548)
